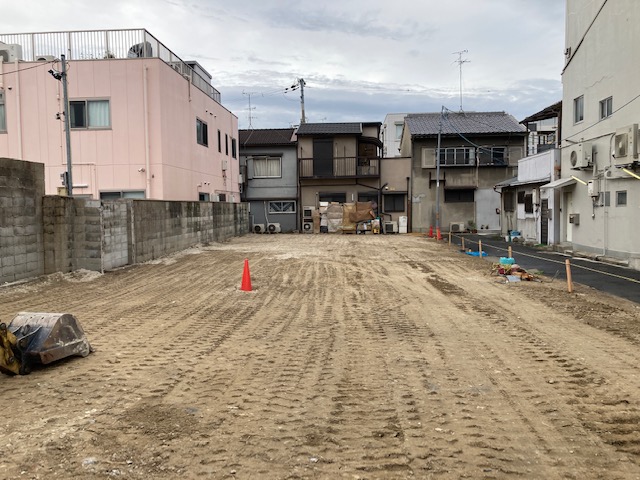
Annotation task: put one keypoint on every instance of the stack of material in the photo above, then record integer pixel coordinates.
(334, 217)
(363, 213)
(348, 210)
(316, 221)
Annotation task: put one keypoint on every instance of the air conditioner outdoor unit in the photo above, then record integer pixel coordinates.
(258, 228)
(456, 227)
(307, 212)
(273, 228)
(626, 145)
(581, 155)
(307, 226)
(45, 58)
(10, 52)
(391, 227)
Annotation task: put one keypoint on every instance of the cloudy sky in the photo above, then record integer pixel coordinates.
(360, 59)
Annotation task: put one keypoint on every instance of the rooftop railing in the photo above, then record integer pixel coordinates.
(103, 44)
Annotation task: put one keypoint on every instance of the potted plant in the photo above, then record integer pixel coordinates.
(472, 226)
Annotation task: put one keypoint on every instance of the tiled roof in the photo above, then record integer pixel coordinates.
(353, 128)
(466, 123)
(271, 136)
(551, 111)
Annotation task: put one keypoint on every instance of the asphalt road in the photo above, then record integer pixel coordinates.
(620, 281)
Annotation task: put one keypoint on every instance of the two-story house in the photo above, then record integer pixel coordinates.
(600, 157)
(143, 123)
(455, 189)
(269, 167)
(339, 162)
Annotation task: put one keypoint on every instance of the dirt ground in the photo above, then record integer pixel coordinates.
(359, 357)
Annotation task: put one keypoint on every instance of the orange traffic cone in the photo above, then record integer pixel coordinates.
(430, 231)
(246, 277)
(438, 234)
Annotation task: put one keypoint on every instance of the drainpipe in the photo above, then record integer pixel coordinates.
(147, 161)
(408, 204)
(18, 111)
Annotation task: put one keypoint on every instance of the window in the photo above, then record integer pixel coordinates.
(578, 109)
(3, 115)
(233, 148)
(122, 194)
(621, 198)
(528, 203)
(606, 107)
(399, 131)
(521, 195)
(267, 167)
(369, 197)
(226, 144)
(219, 142)
(492, 156)
(463, 195)
(202, 134)
(332, 197)
(282, 207)
(604, 199)
(203, 197)
(89, 114)
(458, 156)
(222, 197)
(509, 199)
(393, 202)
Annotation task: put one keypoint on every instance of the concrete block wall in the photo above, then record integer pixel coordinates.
(21, 230)
(72, 234)
(46, 234)
(117, 234)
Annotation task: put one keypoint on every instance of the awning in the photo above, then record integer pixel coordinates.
(560, 183)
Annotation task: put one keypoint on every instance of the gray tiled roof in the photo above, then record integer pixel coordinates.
(352, 128)
(270, 136)
(466, 123)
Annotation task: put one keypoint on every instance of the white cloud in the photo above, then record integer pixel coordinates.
(361, 59)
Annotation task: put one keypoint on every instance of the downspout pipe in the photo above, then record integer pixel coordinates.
(147, 159)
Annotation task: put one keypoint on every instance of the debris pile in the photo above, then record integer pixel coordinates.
(511, 271)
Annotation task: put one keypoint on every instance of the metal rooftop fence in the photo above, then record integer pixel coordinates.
(104, 44)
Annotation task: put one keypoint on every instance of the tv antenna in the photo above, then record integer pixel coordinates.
(460, 62)
(248, 94)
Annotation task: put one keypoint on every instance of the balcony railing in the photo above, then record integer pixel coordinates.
(104, 44)
(340, 167)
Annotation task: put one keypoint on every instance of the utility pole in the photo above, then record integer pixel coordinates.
(302, 83)
(460, 61)
(438, 171)
(67, 124)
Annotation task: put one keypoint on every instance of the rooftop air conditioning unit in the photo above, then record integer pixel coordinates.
(273, 228)
(10, 52)
(581, 155)
(456, 227)
(45, 58)
(626, 145)
(258, 228)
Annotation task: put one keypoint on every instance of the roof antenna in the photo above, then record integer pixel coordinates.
(460, 61)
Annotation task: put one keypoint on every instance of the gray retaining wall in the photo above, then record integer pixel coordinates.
(46, 234)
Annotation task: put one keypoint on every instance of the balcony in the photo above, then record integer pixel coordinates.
(340, 167)
(104, 45)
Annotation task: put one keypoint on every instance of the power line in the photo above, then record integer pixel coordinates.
(29, 68)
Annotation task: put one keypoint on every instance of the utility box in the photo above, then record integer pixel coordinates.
(574, 218)
(592, 188)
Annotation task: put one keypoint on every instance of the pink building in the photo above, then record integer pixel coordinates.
(144, 123)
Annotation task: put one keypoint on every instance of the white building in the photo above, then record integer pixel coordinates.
(600, 186)
(391, 134)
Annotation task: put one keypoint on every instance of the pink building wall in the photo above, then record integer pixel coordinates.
(162, 158)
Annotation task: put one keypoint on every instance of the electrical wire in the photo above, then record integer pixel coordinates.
(29, 68)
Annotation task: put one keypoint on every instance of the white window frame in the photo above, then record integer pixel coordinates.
(87, 117)
(398, 132)
(278, 206)
(483, 151)
(621, 195)
(606, 108)
(578, 109)
(267, 159)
